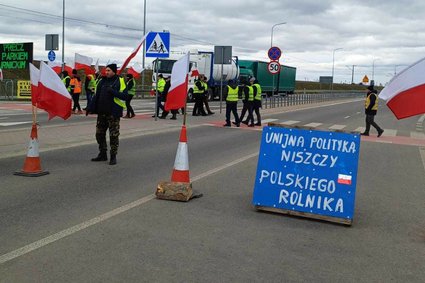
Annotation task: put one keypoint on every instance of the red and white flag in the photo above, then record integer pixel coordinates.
(132, 55)
(194, 73)
(57, 67)
(405, 93)
(177, 94)
(135, 70)
(53, 96)
(344, 179)
(1, 74)
(84, 63)
(34, 78)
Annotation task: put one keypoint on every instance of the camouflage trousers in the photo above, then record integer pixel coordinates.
(105, 122)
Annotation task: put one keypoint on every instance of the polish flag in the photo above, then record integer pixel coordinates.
(57, 67)
(34, 78)
(1, 74)
(344, 179)
(135, 70)
(132, 55)
(84, 63)
(53, 96)
(194, 73)
(405, 93)
(177, 94)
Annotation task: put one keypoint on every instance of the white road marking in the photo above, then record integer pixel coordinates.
(313, 125)
(422, 152)
(74, 229)
(417, 135)
(7, 124)
(346, 117)
(289, 122)
(268, 120)
(360, 129)
(390, 132)
(337, 127)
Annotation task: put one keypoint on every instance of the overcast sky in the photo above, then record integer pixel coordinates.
(385, 33)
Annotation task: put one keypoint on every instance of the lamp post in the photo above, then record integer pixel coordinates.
(271, 45)
(271, 37)
(333, 66)
(373, 69)
(63, 35)
(143, 52)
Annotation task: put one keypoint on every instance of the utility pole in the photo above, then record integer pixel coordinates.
(352, 75)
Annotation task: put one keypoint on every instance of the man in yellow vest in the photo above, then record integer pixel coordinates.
(108, 103)
(90, 87)
(371, 108)
(257, 100)
(231, 94)
(160, 98)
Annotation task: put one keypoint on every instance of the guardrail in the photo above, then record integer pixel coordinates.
(306, 98)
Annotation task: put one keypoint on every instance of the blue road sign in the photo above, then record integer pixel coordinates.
(274, 53)
(158, 44)
(307, 171)
(51, 55)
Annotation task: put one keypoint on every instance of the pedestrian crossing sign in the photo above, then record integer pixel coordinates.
(158, 44)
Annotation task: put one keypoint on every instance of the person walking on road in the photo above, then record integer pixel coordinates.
(108, 104)
(165, 93)
(206, 96)
(371, 108)
(90, 87)
(159, 99)
(231, 95)
(257, 100)
(131, 90)
(198, 92)
(248, 104)
(75, 85)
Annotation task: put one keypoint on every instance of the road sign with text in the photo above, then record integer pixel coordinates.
(273, 67)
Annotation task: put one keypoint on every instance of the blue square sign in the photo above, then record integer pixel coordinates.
(158, 44)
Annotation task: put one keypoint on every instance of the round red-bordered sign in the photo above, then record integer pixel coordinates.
(274, 53)
(273, 67)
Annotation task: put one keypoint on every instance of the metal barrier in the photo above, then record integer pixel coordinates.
(306, 98)
(7, 90)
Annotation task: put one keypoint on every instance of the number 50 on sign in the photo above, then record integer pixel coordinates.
(273, 67)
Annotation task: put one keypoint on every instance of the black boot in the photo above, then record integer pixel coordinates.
(100, 157)
(113, 160)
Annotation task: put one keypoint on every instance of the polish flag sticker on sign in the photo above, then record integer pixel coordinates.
(344, 179)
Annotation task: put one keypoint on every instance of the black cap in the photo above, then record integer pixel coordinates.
(113, 67)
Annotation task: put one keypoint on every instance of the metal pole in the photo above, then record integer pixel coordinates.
(352, 75)
(143, 56)
(221, 81)
(333, 67)
(271, 45)
(63, 35)
(156, 92)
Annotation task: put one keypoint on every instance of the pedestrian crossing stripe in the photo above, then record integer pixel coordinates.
(265, 121)
(337, 127)
(290, 122)
(313, 125)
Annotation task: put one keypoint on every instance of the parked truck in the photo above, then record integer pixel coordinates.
(283, 83)
(201, 62)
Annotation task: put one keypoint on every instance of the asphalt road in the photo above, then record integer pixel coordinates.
(91, 222)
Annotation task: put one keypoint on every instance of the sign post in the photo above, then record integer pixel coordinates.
(157, 46)
(307, 173)
(223, 56)
(274, 54)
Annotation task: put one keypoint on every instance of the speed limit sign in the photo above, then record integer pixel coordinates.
(273, 67)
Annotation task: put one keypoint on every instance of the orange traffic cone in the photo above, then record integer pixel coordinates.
(32, 166)
(181, 163)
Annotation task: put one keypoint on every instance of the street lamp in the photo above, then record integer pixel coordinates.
(63, 35)
(271, 45)
(271, 37)
(333, 66)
